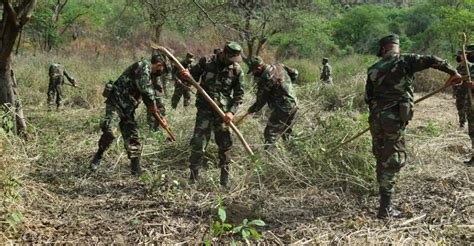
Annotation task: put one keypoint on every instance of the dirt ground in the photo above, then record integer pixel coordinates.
(68, 204)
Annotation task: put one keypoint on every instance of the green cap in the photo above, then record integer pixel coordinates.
(390, 39)
(254, 62)
(233, 50)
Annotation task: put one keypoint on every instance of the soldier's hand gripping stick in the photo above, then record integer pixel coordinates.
(204, 94)
(163, 123)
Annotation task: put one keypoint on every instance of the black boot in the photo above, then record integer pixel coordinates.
(194, 176)
(135, 165)
(224, 180)
(96, 161)
(385, 210)
(470, 163)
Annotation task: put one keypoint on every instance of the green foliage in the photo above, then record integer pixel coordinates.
(246, 230)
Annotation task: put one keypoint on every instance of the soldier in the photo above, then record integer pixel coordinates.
(57, 71)
(460, 93)
(123, 97)
(222, 78)
(464, 87)
(274, 86)
(389, 94)
(182, 88)
(326, 74)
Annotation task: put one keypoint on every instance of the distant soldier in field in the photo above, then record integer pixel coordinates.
(326, 73)
(182, 88)
(221, 77)
(123, 97)
(57, 71)
(460, 93)
(389, 94)
(274, 86)
(465, 87)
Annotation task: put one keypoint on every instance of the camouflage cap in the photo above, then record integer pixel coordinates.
(157, 59)
(325, 59)
(233, 50)
(254, 62)
(390, 39)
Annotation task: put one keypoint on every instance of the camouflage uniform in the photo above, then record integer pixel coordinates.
(57, 72)
(181, 88)
(274, 86)
(389, 94)
(460, 92)
(464, 87)
(124, 97)
(326, 74)
(157, 92)
(223, 82)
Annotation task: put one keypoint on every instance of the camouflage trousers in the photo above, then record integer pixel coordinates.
(55, 90)
(462, 102)
(279, 124)
(180, 90)
(206, 123)
(388, 146)
(470, 126)
(128, 128)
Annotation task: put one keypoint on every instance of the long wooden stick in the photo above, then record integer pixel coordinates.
(367, 129)
(205, 95)
(161, 121)
(468, 73)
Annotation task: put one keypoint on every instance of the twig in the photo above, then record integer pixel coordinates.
(413, 220)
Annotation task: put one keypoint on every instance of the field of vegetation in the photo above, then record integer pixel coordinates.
(300, 193)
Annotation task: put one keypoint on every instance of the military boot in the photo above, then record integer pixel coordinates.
(135, 165)
(385, 210)
(194, 176)
(224, 179)
(470, 163)
(96, 161)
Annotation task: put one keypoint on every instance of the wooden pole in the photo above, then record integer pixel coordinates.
(367, 129)
(205, 95)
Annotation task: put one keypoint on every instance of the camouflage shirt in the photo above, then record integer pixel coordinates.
(326, 73)
(58, 70)
(275, 88)
(131, 86)
(390, 80)
(223, 83)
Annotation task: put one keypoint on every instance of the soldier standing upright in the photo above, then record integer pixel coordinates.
(274, 86)
(465, 87)
(222, 78)
(57, 71)
(389, 94)
(326, 73)
(182, 88)
(123, 97)
(460, 93)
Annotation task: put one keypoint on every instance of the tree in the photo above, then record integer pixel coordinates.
(15, 15)
(162, 11)
(253, 21)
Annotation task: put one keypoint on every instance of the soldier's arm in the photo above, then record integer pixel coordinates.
(69, 78)
(145, 86)
(329, 70)
(237, 92)
(369, 95)
(421, 62)
(198, 69)
(292, 72)
(261, 97)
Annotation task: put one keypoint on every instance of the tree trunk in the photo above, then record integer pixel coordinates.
(158, 29)
(19, 116)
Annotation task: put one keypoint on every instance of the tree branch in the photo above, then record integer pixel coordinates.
(11, 13)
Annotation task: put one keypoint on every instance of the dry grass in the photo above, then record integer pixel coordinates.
(305, 195)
